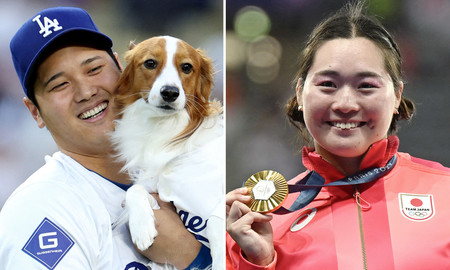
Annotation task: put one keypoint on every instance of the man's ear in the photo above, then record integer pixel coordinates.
(34, 112)
(116, 55)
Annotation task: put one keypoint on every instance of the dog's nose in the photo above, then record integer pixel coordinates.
(169, 93)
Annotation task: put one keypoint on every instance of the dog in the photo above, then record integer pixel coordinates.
(171, 137)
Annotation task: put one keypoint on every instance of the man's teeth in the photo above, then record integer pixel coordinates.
(345, 125)
(94, 112)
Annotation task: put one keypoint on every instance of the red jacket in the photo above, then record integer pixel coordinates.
(402, 221)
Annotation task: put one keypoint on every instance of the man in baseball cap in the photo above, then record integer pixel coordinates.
(48, 30)
(60, 217)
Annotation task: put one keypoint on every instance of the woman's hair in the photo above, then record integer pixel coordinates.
(351, 22)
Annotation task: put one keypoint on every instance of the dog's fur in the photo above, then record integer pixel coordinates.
(170, 136)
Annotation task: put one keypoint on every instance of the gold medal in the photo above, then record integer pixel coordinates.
(268, 190)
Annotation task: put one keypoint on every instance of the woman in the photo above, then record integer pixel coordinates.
(349, 99)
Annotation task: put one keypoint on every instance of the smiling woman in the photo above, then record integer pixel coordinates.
(348, 99)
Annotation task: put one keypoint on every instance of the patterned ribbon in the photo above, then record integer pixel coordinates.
(312, 183)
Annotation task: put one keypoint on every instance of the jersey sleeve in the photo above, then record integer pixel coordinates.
(43, 226)
(203, 259)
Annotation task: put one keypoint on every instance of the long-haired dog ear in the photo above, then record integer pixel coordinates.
(206, 76)
(200, 107)
(123, 87)
(125, 83)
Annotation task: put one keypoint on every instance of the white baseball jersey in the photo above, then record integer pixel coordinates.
(195, 184)
(60, 218)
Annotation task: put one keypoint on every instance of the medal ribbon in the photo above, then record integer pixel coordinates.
(312, 183)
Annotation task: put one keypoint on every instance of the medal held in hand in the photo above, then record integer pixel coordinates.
(268, 190)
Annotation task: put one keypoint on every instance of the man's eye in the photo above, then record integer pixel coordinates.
(96, 69)
(59, 86)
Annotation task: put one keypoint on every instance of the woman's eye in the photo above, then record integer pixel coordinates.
(367, 85)
(327, 84)
(150, 64)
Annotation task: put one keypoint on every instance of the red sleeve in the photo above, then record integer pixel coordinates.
(430, 164)
(235, 260)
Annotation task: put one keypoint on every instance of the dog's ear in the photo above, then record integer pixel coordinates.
(201, 107)
(131, 45)
(127, 77)
(206, 76)
(123, 87)
(128, 55)
(125, 81)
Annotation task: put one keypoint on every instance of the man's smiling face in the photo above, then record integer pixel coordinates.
(75, 89)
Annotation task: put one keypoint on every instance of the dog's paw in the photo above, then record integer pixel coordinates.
(142, 224)
(141, 218)
(143, 232)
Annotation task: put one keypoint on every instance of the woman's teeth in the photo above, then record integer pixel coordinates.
(345, 125)
(94, 112)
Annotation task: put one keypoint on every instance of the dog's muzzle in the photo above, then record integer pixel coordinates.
(169, 93)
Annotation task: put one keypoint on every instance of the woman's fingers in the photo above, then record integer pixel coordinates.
(239, 194)
(252, 232)
(237, 210)
(241, 218)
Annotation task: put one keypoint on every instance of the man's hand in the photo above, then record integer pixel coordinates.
(174, 244)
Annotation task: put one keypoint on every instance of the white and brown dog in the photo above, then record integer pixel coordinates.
(171, 138)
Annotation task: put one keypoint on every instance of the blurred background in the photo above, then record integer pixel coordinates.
(22, 144)
(263, 43)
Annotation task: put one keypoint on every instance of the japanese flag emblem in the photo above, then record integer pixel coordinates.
(416, 207)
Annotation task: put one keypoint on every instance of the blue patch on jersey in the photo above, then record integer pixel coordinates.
(48, 244)
(135, 266)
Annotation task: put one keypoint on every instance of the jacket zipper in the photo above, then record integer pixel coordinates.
(362, 205)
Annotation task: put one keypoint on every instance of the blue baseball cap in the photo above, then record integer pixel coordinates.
(38, 37)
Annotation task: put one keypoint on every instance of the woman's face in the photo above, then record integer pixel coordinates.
(348, 97)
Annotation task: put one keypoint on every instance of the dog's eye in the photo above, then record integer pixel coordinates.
(186, 68)
(150, 64)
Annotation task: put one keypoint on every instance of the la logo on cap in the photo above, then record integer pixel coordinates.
(45, 27)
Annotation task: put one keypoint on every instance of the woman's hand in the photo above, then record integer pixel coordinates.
(174, 244)
(251, 230)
